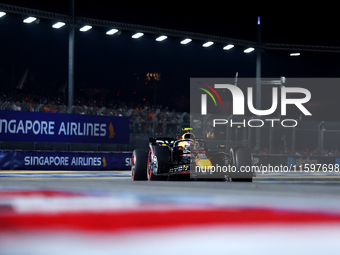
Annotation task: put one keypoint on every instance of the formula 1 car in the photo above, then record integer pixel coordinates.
(186, 157)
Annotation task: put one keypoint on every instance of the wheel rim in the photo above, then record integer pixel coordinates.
(152, 165)
(155, 164)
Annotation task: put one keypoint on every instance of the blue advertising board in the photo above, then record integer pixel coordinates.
(66, 128)
(64, 160)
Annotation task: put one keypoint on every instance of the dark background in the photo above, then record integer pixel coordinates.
(115, 67)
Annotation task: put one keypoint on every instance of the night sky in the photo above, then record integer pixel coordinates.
(117, 65)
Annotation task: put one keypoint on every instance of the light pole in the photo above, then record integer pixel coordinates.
(258, 82)
(71, 58)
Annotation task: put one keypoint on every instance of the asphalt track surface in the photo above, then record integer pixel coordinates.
(273, 186)
(279, 183)
(297, 212)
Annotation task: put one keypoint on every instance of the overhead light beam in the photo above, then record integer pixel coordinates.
(228, 47)
(185, 41)
(207, 44)
(85, 28)
(112, 31)
(161, 38)
(2, 14)
(58, 25)
(248, 50)
(137, 35)
(30, 20)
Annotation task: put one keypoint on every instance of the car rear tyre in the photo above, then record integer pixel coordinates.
(139, 165)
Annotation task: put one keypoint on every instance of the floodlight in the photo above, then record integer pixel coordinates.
(30, 19)
(207, 44)
(58, 25)
(228, 47)
(248, 50)
(137, 35)
(185, 41)
(85, 28)
(161, 38)
(112, 31)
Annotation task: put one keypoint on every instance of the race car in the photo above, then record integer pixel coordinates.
(186, 157)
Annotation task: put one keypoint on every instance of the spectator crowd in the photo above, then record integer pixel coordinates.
(142, 117)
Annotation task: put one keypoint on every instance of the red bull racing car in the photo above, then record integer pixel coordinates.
(186, 157)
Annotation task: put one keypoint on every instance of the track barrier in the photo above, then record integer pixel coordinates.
(64, 160)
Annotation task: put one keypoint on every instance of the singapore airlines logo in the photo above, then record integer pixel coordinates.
(112, 132)
(204, 97)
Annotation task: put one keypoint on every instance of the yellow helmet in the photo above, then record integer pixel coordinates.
(188, 136)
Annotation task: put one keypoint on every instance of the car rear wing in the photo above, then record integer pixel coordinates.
(163, 140)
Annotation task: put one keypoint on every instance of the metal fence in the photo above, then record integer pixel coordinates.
(307, 138)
